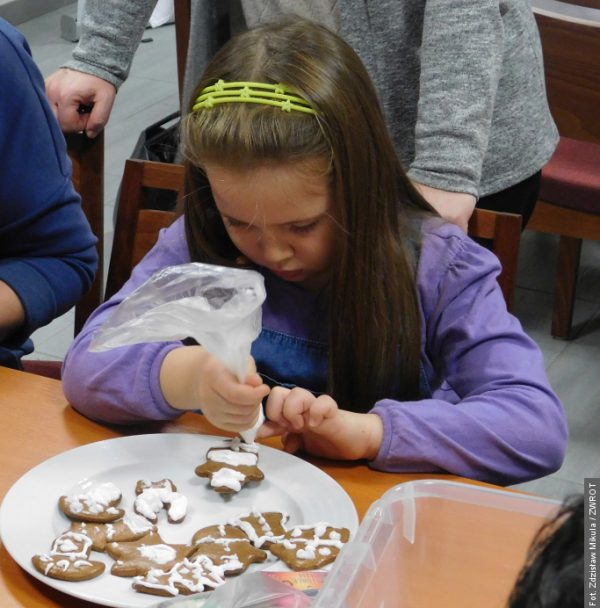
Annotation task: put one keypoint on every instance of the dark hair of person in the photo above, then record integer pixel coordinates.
(375, 323)
(552, 576)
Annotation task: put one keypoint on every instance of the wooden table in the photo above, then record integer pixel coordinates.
(36, 423)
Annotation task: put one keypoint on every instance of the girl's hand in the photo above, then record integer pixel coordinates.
(317, 425)
(191, 378)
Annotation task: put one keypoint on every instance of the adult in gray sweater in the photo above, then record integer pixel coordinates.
(461, 83)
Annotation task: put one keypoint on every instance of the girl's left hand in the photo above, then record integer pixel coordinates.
(317, 425)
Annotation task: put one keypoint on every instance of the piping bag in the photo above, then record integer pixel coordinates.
(219, 307)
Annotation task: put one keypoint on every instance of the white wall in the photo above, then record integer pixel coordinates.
(17, 11)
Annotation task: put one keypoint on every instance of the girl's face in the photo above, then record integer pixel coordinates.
(279, 217)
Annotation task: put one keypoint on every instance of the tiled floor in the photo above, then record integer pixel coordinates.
(573, 367)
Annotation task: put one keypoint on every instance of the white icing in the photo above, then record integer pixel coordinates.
(152, 500)
(308, 553)
(137, 524)
(249, 435)
(194, 575)
(232, 458)
(74, 544)
(177, 506)
(265, 533)
(66, 546)
(227, 478)
(96, 500)
(160, 554)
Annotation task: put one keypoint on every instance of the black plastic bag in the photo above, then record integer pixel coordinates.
(158, 142)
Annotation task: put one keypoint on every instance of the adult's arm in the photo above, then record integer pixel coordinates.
(461, 60)
(47, 249)
(122, 385)
(492, 414)
(111, 31)
(110, 34)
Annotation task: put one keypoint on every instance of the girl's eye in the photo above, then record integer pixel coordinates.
(235, 223)
(303, 228)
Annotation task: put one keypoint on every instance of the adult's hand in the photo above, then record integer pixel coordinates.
(81, 102)
(456, 207)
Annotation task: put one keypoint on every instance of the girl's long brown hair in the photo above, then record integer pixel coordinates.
(375, 323)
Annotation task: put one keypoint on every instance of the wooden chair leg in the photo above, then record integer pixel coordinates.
(87, 156)
(569, 254)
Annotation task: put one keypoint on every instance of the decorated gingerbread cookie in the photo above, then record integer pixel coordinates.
(96, 505)
(138, 557)
(310, 547)
(131, 527)
(227, 546)
(68, 559)
(262, 528)
(186, 577)
(152, 496)
(231, 468)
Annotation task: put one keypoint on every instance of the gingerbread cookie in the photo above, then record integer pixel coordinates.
(262, 528)
(226, 546)
(137, 557)
(152, 496)
(131, 527)
(310, 547)
(231, 468)
(97, 505)
(68, 559)
(186, 577)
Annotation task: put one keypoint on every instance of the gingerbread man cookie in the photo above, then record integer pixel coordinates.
(231, 468)
(137, 557)
(310, 547)
(131, 527)
(68, 559)
(152, 496)
(263, 528)
(96, 505)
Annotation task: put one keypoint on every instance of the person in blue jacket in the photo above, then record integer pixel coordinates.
(47, 249)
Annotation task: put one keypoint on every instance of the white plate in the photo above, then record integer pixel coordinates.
(30, 519)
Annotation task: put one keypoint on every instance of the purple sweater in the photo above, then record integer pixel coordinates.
(492, 414)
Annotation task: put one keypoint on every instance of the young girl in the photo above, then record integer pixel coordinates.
(385, 335)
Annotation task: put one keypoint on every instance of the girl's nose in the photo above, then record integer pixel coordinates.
(275, 250)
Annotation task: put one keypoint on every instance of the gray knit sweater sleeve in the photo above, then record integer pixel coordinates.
(110, 33)
(461, 62)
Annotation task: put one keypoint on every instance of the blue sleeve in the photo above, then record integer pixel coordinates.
(47, 249)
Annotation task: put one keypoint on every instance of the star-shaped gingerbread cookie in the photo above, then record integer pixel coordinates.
(231, 468)
(138, 557)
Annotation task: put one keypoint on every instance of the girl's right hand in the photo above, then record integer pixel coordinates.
(191, 378)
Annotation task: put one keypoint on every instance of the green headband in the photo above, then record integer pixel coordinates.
(279, 95)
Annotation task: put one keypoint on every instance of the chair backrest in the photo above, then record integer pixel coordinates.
(136, 227)
(503, 231)
(571, 48)
(87, 158)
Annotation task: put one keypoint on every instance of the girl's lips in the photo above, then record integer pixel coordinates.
(290, 275)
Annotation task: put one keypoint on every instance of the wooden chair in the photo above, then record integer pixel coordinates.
(137, 227)
(503, 232)
(569, 204)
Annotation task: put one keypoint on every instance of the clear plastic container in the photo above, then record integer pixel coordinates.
(436, 543)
